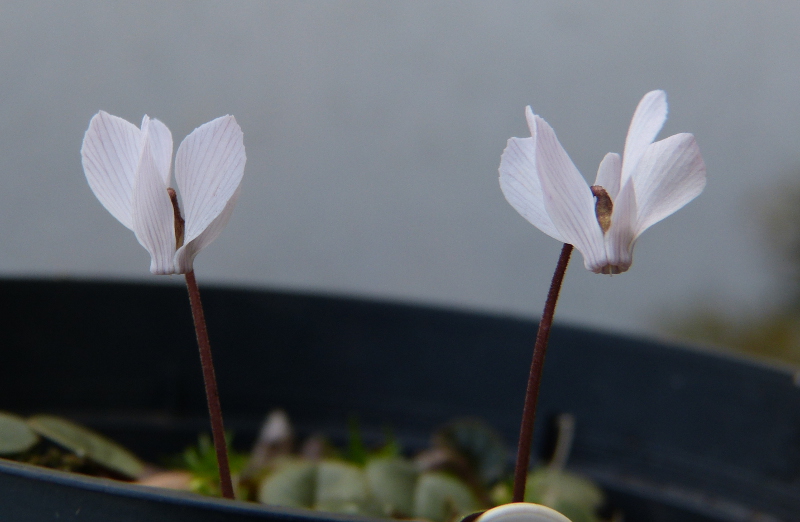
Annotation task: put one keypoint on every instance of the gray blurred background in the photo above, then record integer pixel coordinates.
(374, 132)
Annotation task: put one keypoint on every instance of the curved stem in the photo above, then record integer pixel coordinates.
(212, 395)
(535, 377)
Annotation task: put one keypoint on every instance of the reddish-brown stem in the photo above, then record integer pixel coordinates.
(535, 377)
(212, 396)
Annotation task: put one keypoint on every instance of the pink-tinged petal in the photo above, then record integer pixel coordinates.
(520, 184)
(153, 215)
(110, 155)
(609, 173)
(649, 117)
(208, 170)
(161, 145)
(621, 235)
(568, 200)
(184, 257)
(671, 174)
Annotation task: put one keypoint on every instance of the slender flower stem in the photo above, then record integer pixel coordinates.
(535, 377)
(212, 396)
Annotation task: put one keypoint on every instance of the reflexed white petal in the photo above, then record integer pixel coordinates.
(153, 216)
(567, 198)
(621, 235)
(530, 118)
(110, 155)
(208, 169)
(522, 512)
(670, 174)
(161, 145)
(184, 257)
(608, 174)
(649, 117)
(520, 184)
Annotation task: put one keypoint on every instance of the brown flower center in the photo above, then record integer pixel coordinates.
(179, 223)
(603, 207)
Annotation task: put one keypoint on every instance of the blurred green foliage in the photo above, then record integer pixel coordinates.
(464, 470)
(774, 336)
(772, 331)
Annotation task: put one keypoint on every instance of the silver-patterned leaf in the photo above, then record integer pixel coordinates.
(441, 498)
(292, 484)
(342, 488)
(392, 481)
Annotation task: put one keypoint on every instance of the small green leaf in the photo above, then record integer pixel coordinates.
(15, 435)
(442, 498)
(87, 443)
(392, 481)
(293, 484)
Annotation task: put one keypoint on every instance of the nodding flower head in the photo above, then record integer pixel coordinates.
(128, 169)
(648, 183)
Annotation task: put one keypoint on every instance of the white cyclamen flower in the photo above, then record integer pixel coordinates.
(649, 182)
(522, 512)
(128, 169)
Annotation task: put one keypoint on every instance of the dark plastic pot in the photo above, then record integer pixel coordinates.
(671, 433)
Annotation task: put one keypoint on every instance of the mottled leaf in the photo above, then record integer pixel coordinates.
(392, 481)
(342, 488)
(441, 498)
(292, 484)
